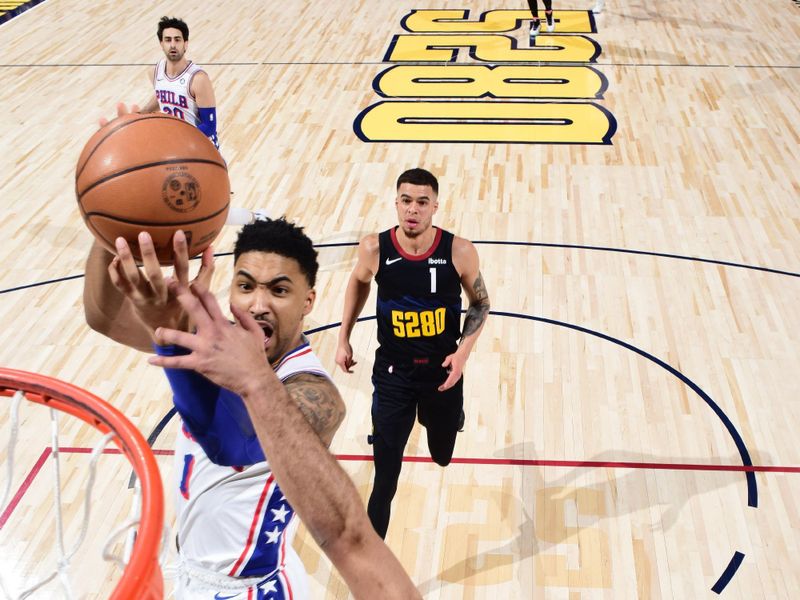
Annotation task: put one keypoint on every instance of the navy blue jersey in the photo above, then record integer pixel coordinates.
(419, 301)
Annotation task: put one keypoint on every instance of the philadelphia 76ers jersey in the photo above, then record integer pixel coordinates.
(174, 93)
(232, 518)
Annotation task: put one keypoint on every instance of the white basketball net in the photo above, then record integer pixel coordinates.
(61, 570)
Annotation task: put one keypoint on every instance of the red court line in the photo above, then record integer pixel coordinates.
(24, 487)
(38, 467)
(462, 461)
(81, 450)
(590, 464)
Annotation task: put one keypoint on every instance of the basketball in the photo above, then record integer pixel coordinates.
(156, 173)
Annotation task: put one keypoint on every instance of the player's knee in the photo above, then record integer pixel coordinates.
(386, 488)
(441, 459)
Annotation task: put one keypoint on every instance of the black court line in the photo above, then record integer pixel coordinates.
(404, 63)
(729, 572)
(712, 261)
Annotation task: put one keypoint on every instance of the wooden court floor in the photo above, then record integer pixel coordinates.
(632, 404)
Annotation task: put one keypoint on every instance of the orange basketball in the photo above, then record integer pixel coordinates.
(156, 173)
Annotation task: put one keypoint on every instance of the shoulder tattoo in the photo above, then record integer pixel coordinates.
(319, 401)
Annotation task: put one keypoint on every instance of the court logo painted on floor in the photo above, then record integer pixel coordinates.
(507, 94)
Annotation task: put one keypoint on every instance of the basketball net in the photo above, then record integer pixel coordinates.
(139, 561)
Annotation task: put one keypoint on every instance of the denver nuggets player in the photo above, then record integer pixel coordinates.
(182, 88)
(234, 526)
(420, 271)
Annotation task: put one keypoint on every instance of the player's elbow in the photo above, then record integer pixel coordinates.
(98, 321)
(343, 537)
(95, 319)
(367, 565)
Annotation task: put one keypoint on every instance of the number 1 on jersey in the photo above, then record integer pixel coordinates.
(433, 279)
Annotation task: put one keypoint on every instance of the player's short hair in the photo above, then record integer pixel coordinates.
(278, 236)
(419, 177)
(172, 23)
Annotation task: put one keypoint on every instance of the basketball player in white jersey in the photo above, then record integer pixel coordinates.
(235, 526)
(182, 88)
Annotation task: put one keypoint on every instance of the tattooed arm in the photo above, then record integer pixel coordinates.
(466, 262)
(319, 401)
(289, 419)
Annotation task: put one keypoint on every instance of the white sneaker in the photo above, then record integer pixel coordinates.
(535, 28)
(598, 7)
(551, 23)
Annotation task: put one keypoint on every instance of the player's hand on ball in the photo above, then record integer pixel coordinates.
(145, 286)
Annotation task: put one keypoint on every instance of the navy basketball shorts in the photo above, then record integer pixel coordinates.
(405, 393)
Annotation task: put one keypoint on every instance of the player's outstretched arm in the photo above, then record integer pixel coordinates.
(105, 309)
(312, 480)
(126, 302)
(465, 259)
(355, 297)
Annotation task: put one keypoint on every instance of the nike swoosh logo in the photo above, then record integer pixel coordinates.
(394, 260)
(220, 597)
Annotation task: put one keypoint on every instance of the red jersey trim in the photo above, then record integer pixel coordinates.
(406, 255)
(299, 352)
(179, 75)
(282, 571)
(286, 584)
(253, 526)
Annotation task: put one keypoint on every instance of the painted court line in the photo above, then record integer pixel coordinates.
(664, 466)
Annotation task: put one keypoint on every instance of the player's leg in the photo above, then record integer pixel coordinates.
(536, 24)
(548, 13)
(393, 412)
(443, 413)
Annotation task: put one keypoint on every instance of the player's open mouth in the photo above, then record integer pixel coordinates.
(268, 331)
